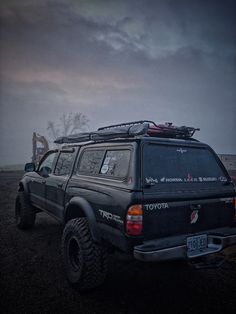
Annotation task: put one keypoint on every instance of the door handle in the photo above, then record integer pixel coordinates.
(43, 181)
(60, 185)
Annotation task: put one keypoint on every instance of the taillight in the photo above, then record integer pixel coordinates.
(134, 220)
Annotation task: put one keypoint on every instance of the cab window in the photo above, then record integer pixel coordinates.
(45, 168)
(116, 163)
(64, 164)
(90, 162)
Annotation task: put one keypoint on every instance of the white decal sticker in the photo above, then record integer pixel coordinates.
(104, 169)
(174, 180)
(151, 180)
(209, 179)
(181, 150)
(110, 216)
(156, 206)
(107, 160)
(227, 200)
(191, 179)
(222, 179)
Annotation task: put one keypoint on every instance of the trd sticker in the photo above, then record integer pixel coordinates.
(156, 206)
(110, 216)
(194, 217)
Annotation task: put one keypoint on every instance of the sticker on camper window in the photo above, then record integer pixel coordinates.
(116, 163)
(209, 179)
(222, 179)
(173, 180)
(104, 169)
(151, 180)
(107, 160)
(181, 150)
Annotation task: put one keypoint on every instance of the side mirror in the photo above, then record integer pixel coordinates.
(29, 167)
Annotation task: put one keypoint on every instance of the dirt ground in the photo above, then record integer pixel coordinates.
(32, 279)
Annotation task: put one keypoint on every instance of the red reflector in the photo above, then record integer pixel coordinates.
(134, 228)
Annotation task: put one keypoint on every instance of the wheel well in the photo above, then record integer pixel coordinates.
(74, 211)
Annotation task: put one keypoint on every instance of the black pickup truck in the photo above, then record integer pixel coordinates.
(151, 191)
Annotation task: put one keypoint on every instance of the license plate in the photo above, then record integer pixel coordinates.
(197, 243)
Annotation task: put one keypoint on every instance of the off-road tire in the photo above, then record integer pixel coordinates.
(85, 261)
(24, 212)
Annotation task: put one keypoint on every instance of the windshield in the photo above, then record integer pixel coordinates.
(175, 164)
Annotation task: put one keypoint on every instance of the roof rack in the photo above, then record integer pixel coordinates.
(125, 124)
(130, 130)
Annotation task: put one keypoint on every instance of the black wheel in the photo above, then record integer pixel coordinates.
(85, 261)
(24, 212)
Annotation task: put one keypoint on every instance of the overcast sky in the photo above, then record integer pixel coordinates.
(117, 61)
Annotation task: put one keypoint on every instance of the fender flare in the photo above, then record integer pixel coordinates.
(25, 186)
(88, 212)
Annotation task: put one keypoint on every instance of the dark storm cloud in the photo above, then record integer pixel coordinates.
(121, 60)
(58, 34)
(153, 28)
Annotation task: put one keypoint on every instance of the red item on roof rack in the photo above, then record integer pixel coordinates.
(169, 130)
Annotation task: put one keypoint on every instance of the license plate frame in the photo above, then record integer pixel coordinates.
(197, 243)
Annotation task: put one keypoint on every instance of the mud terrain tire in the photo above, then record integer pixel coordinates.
(85, 261)
(24, 212)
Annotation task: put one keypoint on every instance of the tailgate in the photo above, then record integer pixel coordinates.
(186, 190)
(186, 217)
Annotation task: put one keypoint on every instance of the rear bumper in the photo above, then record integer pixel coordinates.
(173, 248)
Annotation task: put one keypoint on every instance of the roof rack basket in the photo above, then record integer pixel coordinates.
(129, 130)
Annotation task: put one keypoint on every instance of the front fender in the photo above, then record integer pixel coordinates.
(23, 186)
(79, 207)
